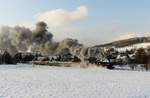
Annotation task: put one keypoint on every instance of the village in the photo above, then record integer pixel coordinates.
(92, 56)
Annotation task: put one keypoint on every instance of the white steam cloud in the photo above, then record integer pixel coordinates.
(61, 17)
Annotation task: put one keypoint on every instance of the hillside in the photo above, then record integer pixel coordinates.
(126, 42)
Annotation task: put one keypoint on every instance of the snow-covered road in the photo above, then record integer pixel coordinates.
(59, 82)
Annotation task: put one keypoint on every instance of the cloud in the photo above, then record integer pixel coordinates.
(61, 17)
(27, 24)
(59, 20)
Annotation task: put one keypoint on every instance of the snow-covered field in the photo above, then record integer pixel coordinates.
(59, 82)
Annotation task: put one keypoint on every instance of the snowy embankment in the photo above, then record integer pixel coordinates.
(59, 82)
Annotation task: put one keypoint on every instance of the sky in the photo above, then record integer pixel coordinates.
(92, 22)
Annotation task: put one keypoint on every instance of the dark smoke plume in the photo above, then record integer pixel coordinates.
(42, 40)
(15, 39)
(41, 34)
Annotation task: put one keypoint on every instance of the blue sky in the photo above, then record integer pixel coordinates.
(107, 20)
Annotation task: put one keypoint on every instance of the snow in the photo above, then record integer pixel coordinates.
(26, 81)
(135, 46)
